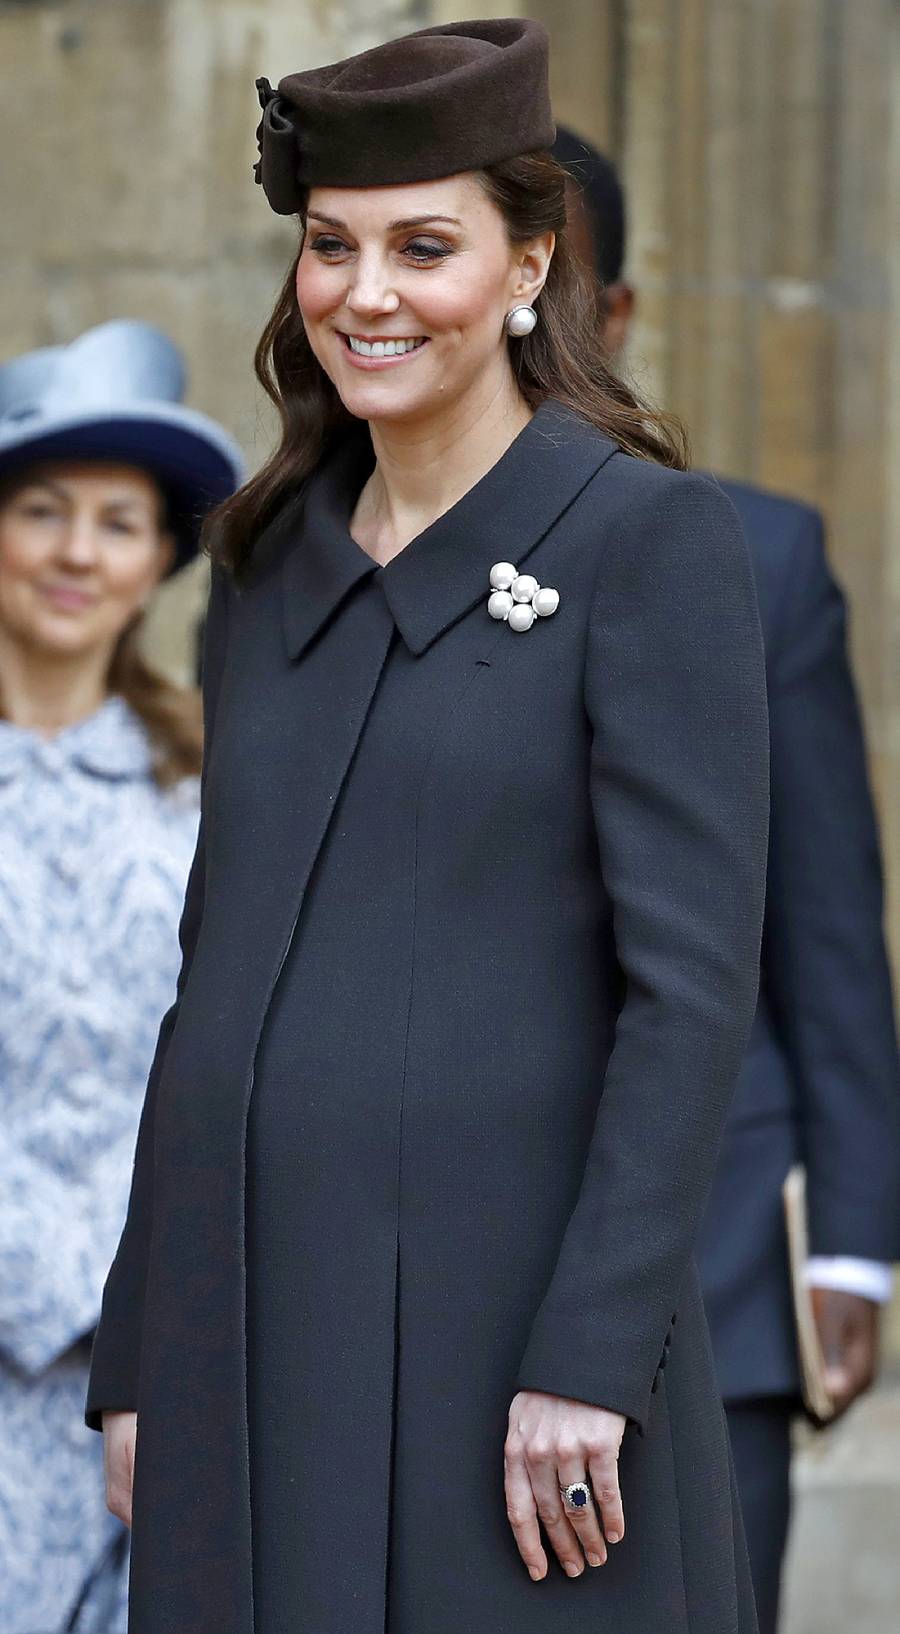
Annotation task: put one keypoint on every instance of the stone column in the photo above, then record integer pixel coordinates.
(755, 142)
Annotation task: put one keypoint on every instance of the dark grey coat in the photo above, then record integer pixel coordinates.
(476, 917)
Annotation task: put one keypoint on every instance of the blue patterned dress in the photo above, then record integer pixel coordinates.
(93, 863)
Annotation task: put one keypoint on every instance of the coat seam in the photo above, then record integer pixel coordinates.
(671, 1444)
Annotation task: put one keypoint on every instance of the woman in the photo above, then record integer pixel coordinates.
(101, 474)
(470, 940)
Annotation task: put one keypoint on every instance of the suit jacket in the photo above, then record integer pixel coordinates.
(821, 1079)
(470, 960)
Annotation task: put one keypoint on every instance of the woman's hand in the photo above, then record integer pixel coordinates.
(119, 1437)
(552, 1443)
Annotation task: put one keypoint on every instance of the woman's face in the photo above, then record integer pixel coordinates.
(429, 265)
(81, 550)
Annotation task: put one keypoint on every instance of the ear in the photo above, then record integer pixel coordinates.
(532, 265)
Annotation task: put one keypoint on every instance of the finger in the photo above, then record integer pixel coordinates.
(839, 1386)
(562, 1536)
(583, 1519)
(860, 1364)
(522, 1513)
(118, 1500)
(604, 1471)
(120, 1506)
(829, 1314)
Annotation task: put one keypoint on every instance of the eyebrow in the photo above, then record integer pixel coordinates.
(393, 226)
(118, 502)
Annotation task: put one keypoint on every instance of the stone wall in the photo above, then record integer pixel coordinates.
(758, 140)
(759, 143)
(128, 133)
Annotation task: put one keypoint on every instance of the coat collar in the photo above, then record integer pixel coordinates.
(442, 573)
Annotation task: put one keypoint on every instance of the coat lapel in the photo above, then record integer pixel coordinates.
(443, 573)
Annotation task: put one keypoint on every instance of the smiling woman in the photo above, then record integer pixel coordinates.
(438, 266)
(471, 942)
(82, 548)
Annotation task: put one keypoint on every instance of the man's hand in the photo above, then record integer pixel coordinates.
(848, 1330)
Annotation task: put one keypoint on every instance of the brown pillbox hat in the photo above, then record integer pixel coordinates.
(431, 104)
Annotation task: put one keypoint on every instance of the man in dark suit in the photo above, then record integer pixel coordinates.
(821, 1079)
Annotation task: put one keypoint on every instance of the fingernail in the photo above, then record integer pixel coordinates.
(572, 1569)
(612, 1537)
(535, 1573)
(595, 1560)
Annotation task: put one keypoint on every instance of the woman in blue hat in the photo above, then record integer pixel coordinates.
(104, 478)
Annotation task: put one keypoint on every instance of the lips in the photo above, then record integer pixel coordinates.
(69, 598)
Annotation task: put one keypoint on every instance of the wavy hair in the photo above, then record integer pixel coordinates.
(171, 715)
(562, 358)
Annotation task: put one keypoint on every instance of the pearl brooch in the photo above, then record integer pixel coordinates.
(518, 598)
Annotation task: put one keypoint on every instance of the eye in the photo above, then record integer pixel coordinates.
(326, 244)
(422, 249)
(39, 510)
(118, 524)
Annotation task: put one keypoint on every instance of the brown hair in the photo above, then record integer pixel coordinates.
(171, 715)
(563, 358)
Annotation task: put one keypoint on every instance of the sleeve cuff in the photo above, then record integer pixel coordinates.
(870, 1279)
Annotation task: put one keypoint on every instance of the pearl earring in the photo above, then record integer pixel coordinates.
(521, 320)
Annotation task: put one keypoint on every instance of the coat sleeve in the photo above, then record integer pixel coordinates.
(675, 691)
(824, 960)
(117, 1343)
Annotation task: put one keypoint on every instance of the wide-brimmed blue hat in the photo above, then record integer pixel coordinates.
(116, 393)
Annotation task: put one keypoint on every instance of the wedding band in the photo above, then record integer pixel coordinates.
(577, 1496)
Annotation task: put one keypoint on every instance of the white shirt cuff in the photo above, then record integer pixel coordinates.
(868, 1278)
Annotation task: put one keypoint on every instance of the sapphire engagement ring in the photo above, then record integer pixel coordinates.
(577, 1496)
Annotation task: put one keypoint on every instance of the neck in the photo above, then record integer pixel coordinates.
(46, 692)
(422, 469)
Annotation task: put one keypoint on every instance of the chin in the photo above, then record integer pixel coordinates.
(63, 640)
(386, 403)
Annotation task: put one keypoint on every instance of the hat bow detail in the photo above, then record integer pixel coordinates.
(277, 168)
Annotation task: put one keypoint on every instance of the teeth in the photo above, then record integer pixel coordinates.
(383, 348)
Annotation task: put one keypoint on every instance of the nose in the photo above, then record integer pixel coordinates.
(78, 542)
(370, 291)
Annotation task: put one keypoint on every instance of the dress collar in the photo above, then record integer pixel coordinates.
(110, 743)
(442, 573)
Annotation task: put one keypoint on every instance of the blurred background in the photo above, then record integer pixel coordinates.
(759, 143)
